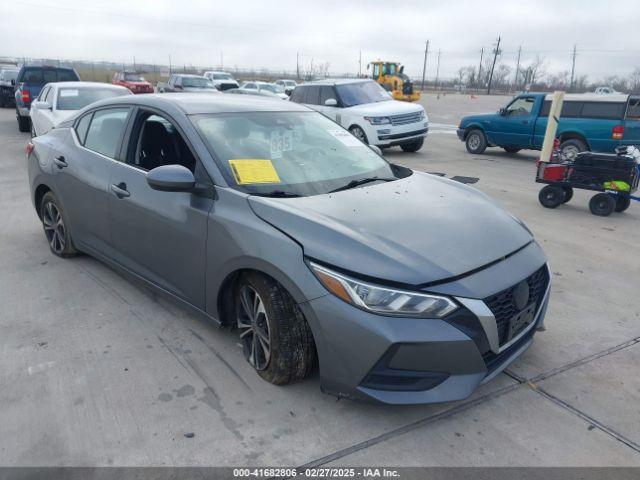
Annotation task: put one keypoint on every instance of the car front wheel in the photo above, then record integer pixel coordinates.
(413, 146)
(476, 142)
(55, 227)
(359, 134)
(275, 337)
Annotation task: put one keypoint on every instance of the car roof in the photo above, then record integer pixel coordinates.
(198, 103)
(110, 86)
(188, 75)
(337, 81)
(592, 97)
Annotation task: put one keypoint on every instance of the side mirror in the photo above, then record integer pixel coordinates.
(171, 178)
(13, 82)
(376, 149)
(502, 112)
(42, 105)
(331, 102)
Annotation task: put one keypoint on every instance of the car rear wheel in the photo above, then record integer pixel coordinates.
(413, 146)
(568, 194)
(24, 123)
(622, 203)
(55, 227)
(602, 204)
(551, 196)
(359, 134)
(476, 142)
(569, 149)
(276, 339)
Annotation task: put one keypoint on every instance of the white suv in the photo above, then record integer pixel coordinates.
(367, 111)
(221, 80)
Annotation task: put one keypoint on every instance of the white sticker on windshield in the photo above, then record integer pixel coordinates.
(346, 138)
(281, 141)
(69, 93)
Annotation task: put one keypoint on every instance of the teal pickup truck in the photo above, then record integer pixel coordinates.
(594, 122)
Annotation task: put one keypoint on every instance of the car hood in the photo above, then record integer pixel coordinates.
(137, 84)
(478, 118)
(413, 231)
(389, 107)
(200, 90)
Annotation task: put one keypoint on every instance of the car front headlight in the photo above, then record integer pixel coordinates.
(383, 300)
(378, 120)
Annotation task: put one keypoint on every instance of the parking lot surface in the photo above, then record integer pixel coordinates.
(98, 370)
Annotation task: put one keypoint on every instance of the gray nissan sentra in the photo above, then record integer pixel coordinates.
(269, 218)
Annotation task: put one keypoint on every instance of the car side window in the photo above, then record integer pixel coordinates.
(43, 93)
(250, 85)
(326, 93)
(49, 96)
(298, 94)
(105, 131)
(82, 126)
(156, 142)
(313, 95)
(520, 107)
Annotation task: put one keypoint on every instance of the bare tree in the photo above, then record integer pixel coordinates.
(634, 81)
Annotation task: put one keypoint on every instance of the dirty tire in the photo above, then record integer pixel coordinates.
(24, 123)
(602, 204)
(568, 194)
(551, 196)
(55, 226)
(412, 146)
(292, 349)
(476, 141)
(569, 149)
(622, 203)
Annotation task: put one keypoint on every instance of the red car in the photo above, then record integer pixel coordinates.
(133, 81)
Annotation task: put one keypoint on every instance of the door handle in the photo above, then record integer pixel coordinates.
(60, 162)
(120, 190)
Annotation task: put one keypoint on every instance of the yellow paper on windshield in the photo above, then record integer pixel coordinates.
(248, 171)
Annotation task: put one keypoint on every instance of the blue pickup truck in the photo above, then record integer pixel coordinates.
(594, 122)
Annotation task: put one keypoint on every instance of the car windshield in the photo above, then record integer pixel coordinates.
(78, 98)
(269, 87)
(133, 77)
(40, 76)
(361, 92)
(196, 82)
(290, 83)
(9, 75)
(287, 153)
(222, 76)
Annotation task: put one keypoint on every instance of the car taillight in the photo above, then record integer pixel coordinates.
(26, 98)
(29, 148)
(618, 132)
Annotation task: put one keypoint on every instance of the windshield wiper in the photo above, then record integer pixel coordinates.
(277, 194)
(361, 181)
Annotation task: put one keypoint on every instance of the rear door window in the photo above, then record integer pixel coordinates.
(326, 93)
(312, 96)
(298, 94)
(633, 110)
(105, 131)
(569, 109)
(608, 110)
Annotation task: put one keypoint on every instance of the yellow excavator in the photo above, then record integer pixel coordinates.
(392, 78)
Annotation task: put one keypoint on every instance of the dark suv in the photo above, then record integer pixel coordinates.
(30, 81)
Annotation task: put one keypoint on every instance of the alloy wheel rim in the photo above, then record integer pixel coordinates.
(54, 227)
(253, 324)
(359, 134)
(569, 153)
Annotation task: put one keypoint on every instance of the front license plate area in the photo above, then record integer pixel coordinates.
(521, 321)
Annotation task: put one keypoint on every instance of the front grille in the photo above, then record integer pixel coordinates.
(406, 118)
(495, 360)
(503, 307)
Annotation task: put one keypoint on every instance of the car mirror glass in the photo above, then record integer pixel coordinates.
(331, 102)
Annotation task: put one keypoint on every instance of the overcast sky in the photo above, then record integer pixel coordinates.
(254, 33)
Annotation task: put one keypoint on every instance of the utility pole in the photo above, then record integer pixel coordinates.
(438, 69)
(517, 68)
(297, 66)
(221, 61)
(169, 65)
(360, 64)
(424, 64)
(480, 68)
(573, 67)
(496, 52)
